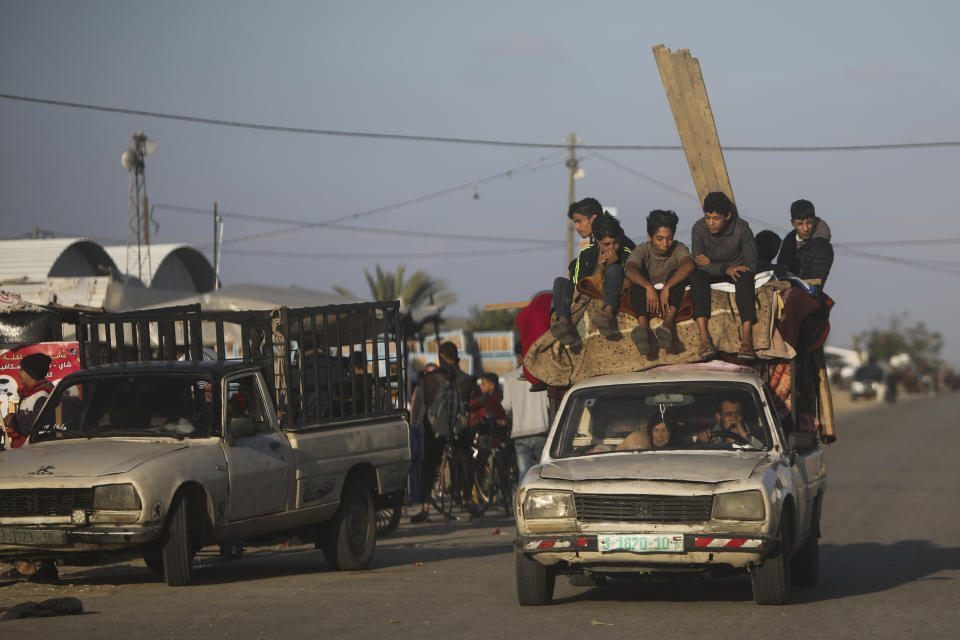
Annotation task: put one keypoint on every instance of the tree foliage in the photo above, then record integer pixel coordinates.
(420, 289)
(921, 343)
(481, 319)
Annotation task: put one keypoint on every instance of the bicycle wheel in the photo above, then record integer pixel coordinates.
(389, 512)
(504, 484)
(485, 481)
(442, 494)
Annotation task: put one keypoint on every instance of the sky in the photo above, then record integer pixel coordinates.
(777, 74)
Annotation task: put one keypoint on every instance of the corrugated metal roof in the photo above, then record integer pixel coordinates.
(158, 254)
(32, 260)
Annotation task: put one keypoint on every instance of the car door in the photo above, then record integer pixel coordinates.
(259, 459)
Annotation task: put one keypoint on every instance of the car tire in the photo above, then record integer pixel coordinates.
(350, 540)
(179, 549)
(535, 582)
(805, 565)
(771, 580)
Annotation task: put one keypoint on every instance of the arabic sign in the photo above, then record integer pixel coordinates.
(64, 359)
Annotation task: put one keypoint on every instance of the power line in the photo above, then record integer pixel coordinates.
(343, 227)
(364, 256)
(453, 140)
(893, 243)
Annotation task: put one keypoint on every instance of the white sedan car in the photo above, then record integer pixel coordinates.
(684, 469)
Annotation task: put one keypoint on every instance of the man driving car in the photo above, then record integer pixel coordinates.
(729, 427)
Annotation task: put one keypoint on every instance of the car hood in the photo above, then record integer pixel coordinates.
(81, 458)
(688, 467)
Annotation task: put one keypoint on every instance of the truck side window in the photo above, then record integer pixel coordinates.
(245, 405)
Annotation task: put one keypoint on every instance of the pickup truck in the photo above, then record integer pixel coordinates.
(152, 450)
(614, 496)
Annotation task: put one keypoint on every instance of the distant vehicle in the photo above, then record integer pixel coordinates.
(867, 382)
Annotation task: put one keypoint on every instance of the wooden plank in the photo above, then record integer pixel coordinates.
(668, 75)
(713, 152)
(686, 93)
(499, 306)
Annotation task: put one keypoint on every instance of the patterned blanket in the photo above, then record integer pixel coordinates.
(561, 366)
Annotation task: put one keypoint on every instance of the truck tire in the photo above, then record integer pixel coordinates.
(179, 547)
(535, 582)
(389, 513)
(349, 542)
(805, 566)
(771, 580)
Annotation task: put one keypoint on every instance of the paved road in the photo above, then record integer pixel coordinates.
(890, 557)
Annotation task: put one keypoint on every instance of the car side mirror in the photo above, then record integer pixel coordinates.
(802, 441)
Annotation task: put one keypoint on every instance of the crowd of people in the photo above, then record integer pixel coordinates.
(657, 271)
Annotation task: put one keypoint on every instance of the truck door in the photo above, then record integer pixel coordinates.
(259, 460)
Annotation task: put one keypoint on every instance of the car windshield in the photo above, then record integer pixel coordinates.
(178, 406)
(657, 417)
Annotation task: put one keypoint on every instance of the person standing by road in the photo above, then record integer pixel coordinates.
(529, 411)
(33, 391)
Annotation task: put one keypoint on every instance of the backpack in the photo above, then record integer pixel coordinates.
(448, 411)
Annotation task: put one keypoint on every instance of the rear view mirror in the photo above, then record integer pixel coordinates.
(669, 400)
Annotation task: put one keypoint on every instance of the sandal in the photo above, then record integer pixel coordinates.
(641, 338)
(606, 325)
(664, 337)
(708, 352)
(564, 333)
(746, 353)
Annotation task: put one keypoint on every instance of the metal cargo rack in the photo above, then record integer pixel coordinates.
(286, 343)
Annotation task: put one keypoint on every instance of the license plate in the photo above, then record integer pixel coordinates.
(641, 543)
(29, 537)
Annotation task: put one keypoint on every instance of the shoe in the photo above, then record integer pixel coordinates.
(46, 573)
(419, 518)
(746, 354)
(708, 352)
(664, 337)
(564, 333)
(641, 338)
(14, 574)
(606, 325)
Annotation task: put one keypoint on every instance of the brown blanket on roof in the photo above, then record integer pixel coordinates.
(558, 365)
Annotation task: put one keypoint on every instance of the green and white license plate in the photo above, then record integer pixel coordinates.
(641, 543)
(30, 537)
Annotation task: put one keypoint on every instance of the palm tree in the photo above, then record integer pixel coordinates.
(419, 290)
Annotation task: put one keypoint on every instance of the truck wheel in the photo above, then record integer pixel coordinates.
(389, 513)
(535, 582)
(179, 548)
(771, 580)
(806, 562)
(349, 543)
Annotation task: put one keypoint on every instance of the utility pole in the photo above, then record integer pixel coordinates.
(571, 169)
(217, 232)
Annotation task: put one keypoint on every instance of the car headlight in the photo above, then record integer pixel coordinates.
(115, 496)
(739, 505)
(548, 504)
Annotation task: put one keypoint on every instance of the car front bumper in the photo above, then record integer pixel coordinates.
(59, 540)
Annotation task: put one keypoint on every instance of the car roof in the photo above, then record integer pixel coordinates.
(716, 371)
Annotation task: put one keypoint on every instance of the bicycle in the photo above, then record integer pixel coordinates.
(455, 478)
(496, 468)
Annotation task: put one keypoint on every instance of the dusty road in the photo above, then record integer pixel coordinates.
(890, 557)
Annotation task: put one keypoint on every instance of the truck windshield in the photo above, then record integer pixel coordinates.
(177, 406)
(659, 417)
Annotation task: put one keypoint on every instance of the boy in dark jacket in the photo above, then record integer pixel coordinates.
(607, 255)
(806, 251)
(724, 250)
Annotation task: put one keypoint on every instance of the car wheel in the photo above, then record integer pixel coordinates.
(350, 540)
(805, 565)
(178, 550)
(771, 580)
(535, 582)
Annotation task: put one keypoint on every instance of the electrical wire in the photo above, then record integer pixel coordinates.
(472, 141)
(364, 256)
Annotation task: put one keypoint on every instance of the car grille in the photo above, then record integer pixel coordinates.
(655, 509)
(43, 502)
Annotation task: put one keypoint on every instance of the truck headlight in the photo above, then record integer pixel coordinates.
(110, 497)
(739, 505)
(548, 504)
